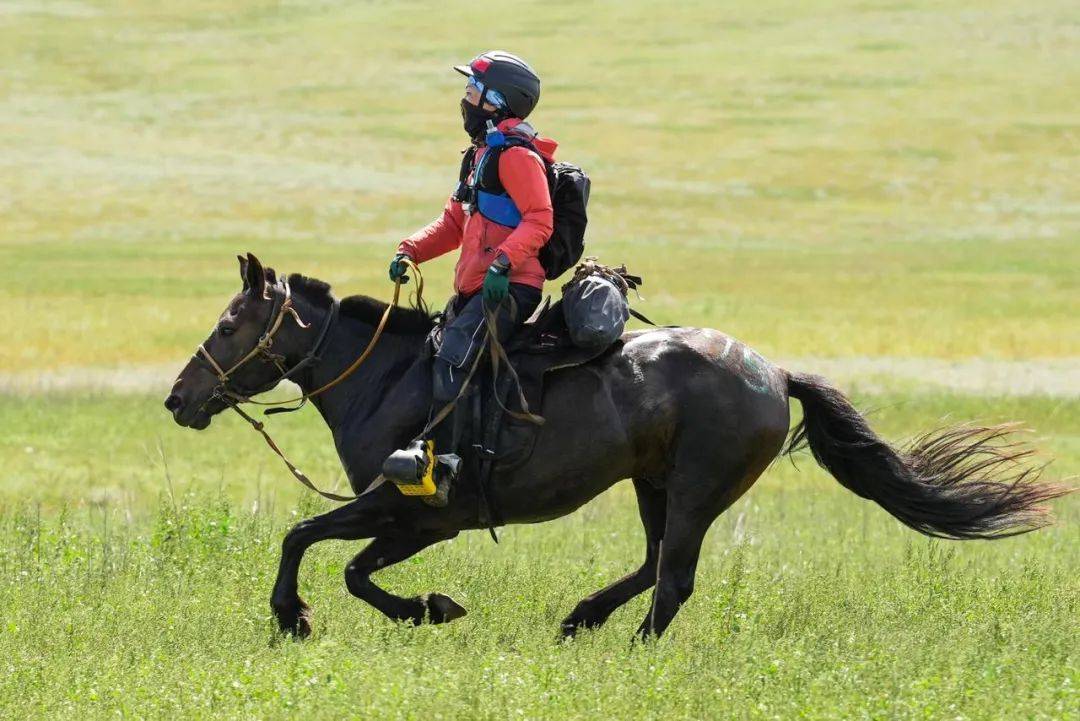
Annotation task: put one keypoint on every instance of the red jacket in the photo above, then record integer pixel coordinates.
(481, 240)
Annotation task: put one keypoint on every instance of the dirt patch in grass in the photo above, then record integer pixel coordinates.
(1058, 377)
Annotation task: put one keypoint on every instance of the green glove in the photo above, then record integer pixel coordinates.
(496, 284)
(398, 268)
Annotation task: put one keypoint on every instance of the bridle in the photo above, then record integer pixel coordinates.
(262, 350)
(283, 307)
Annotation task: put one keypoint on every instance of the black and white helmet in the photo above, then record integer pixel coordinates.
(506, 78)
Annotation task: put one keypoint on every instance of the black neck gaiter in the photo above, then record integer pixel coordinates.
(474, 118)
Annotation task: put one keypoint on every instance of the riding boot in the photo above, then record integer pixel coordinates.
(428, 466)
(411, 468)
(419, 470)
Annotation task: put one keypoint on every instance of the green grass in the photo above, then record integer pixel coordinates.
(843, 179)
(127, 591)
(809, 605)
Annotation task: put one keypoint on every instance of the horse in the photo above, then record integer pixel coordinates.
(692, 416)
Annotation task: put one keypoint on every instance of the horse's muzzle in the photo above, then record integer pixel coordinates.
(188, 414)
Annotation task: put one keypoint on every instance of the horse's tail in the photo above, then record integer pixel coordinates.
(963, 482)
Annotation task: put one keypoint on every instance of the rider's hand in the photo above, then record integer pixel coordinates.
(398, 267)
(496, 284)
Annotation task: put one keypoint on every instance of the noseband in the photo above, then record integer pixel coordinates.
(283, 306)
(233, 399)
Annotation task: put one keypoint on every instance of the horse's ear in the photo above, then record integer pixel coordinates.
(254, 275)
(243, 270)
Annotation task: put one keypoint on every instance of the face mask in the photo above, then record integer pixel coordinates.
(474, 119)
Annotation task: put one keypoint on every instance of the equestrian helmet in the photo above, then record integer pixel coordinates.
(508, 75)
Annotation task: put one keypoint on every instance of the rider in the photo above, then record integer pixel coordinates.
(496, 260)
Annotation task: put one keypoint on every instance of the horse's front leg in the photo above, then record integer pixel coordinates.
(347, 523)
(386, 551)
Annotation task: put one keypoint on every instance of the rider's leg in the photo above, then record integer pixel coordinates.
(462, 339)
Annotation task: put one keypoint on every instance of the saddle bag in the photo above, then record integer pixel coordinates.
(595, 310)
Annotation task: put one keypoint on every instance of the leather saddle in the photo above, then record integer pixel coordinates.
(540, 347)
(487, 421)
(543, 345)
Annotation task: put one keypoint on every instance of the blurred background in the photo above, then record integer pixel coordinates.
(886, 192)
(880, 191)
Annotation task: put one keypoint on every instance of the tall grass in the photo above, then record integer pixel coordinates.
(151, 600)
(809, 605)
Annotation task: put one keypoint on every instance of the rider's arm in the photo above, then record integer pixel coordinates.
(439, 236)
(523, 175)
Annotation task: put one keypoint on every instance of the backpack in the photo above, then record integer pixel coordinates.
(569, 187)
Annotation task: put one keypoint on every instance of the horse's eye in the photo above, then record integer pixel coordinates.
(226, 330)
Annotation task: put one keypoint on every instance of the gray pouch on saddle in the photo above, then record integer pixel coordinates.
(595, 310)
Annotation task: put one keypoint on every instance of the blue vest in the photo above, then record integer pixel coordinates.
(497, 207)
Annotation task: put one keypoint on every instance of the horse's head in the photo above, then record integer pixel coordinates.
(246, 353)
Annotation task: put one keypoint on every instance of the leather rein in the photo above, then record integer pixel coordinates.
(262, 350)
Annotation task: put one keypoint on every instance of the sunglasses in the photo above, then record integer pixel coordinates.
(493, 96)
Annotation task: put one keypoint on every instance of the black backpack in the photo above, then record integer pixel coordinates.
(569, 187)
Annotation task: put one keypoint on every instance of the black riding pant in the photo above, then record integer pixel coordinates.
(465, 330)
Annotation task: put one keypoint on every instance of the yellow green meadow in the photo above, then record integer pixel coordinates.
(888, 192)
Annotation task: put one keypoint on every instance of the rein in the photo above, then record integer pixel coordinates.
(262, 348)
(233, 399)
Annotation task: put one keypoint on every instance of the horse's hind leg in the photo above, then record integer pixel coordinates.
(594, 610)
(385, 551)
(699, 490)
(675, 575)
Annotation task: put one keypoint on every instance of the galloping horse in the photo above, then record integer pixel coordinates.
(691, 415)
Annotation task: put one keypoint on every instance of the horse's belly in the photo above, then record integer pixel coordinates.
(629, 415)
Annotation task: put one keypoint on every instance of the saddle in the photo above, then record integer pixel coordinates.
(543, 345)
(492, 430)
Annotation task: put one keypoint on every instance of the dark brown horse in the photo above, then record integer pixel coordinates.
(691, 415)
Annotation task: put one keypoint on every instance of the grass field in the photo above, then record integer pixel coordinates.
(874, 188)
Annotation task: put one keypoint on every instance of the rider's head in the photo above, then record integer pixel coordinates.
(500, 86)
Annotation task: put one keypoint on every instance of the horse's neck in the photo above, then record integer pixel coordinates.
(358, 395)
(370, 410)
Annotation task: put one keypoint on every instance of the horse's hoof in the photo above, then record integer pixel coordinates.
(298, 629)
(302, 629)
(441, 608)
(294, 621)
(574, 623)
(643, 637)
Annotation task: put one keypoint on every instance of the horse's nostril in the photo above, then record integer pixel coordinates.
(173, 402)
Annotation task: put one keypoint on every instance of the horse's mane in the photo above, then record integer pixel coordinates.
(403, 320)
